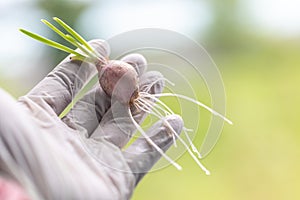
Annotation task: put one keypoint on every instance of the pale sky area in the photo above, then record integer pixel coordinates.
(278, 17)
(181, 16)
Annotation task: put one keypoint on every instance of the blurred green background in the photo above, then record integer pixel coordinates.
(256, 46)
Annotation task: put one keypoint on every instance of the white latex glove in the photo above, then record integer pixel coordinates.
(79, 156)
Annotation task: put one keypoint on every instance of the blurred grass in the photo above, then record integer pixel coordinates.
(257, 157)
(14, 87)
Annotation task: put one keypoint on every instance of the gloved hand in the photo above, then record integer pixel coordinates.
(81, 155)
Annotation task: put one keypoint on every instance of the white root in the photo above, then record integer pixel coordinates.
(150, 96)
(156, 113)
(139, 128)
(188, 149)
(194, 101)
(146, 107)
(153, 104)
(150, 103)
(195, 150)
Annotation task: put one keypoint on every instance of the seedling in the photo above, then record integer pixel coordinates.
(110, 72)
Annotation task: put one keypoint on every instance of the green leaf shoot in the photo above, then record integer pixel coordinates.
(52, 43)
(73, 33)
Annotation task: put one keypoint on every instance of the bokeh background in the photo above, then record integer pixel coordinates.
(256, 46)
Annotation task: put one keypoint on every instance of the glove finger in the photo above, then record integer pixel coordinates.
(88, 112)
(137, 61)
(116, 125)
(60, 86)
(141, 155)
